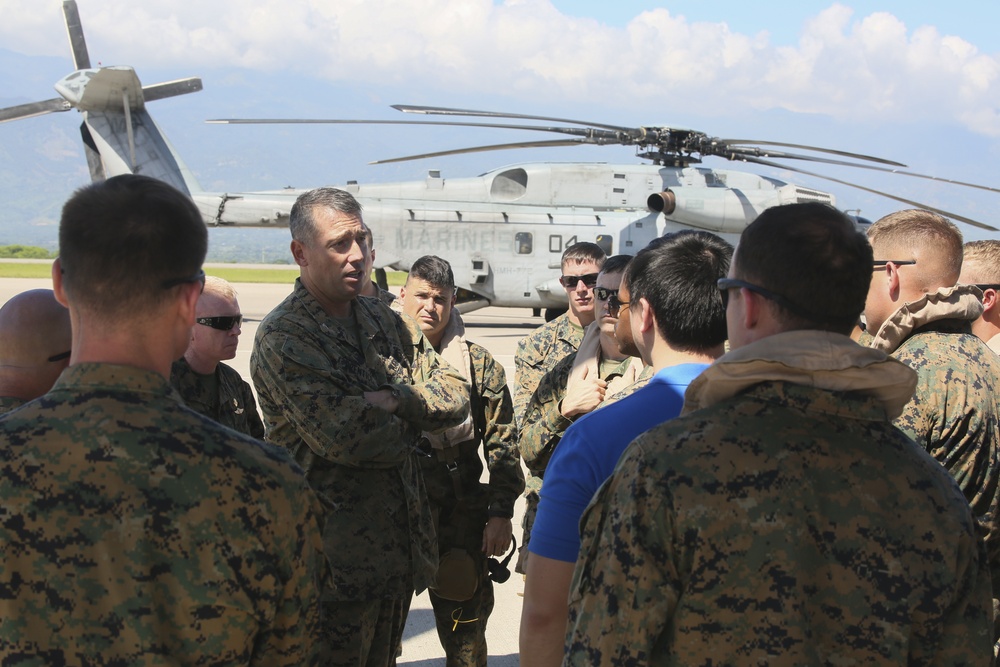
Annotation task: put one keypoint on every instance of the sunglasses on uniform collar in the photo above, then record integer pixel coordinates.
(569, 282)
(221, 323)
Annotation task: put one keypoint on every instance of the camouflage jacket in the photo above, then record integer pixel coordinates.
(786, 522)
(310, 377)
(231, 405)
(8, 403)
(136, 531)
(955, 411)
(544, 423)
(495, 431)
(537, 353)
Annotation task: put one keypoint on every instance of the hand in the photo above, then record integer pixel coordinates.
(583, 396)
(383, 398)
(496, 536)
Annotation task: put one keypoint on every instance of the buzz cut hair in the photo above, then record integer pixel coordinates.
(300, 219)
(913, 229)
(219, 287)
(814, 257)
(582, 252)
(986, 255)
(126, 242)
(616, 264)
(435, 271)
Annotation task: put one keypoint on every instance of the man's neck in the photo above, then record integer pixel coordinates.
(609, 349)
(664, 356)
(580, 320)
(199, 364)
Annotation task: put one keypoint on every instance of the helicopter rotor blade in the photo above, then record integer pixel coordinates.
(591, 135)
(444, 111)
(948, 214)
(34, 109)
(81, 59)
(732, 143)
(481, 149)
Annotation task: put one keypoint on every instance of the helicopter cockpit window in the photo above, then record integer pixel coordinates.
(606, 242)
(509, 185)
(522, 243)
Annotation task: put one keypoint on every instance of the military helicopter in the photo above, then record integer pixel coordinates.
(503, 231)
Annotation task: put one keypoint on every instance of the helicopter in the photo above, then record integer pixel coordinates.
(503, 231)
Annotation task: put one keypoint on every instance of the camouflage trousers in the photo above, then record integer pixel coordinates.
(364, 634)
(461, 626)
(530, 510)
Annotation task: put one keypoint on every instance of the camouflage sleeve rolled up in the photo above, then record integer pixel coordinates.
(499, 433)
(537, 353)
(543, 424)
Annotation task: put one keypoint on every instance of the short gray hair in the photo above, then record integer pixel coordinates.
(300, 222)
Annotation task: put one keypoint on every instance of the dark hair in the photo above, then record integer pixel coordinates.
(435, 271)
(677, 275)
(815, 257)
(121, 241)
(616, 263)
(585, 251)
(300, 222)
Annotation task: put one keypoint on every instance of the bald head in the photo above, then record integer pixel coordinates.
(34, 327)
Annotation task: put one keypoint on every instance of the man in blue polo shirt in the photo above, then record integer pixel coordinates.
(671, 312)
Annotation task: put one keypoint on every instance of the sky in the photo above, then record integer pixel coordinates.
(915, 81)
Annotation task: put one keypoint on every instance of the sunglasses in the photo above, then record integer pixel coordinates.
(878, 263)
(224, 323)
(60, 356)
(569, 282)
(726, 284)
(196, 278)
(985, 287)
(615, 304)
(603, 293)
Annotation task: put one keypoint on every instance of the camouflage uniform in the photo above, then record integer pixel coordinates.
(543, 426)
(784, 521)
(8, 403)
(232, 403)
(383, 295)
(537, 353)
(955, 412)
(460, 520)
(136, 531)
(310, 374)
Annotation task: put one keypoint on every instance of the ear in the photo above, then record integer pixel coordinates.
(298, 253)
(402, 292)
(188, 302)
(645, 316)
(753, 306)
(892, 281)
(990, 300)
(57, 283)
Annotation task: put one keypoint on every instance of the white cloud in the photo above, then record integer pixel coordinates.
(854, 68)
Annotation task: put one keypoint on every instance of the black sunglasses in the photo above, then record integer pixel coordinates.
(223, 323)
(60, 356)
(196, 278)
(897, 262)
(987, 286)
(569, 282)
(615, 305)
(726, 284)
(603, 293)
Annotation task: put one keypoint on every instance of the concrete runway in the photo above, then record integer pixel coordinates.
(496, 329)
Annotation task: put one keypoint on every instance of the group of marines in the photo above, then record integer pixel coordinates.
(718, 473)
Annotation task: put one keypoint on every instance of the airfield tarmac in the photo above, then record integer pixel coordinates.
(498, 330)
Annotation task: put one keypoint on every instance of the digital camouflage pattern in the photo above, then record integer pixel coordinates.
(310, 375)
(136, 531)
(787, 526)
(537, 353)
(8, 403)
(784, 523)
(543, 428)
(955, 411)
(460, 521)
(231, 405)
